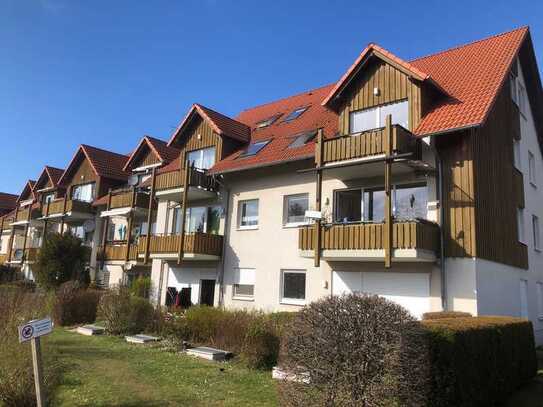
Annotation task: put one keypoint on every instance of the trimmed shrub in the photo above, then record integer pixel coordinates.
(354, 350)
(124, 313)
(74, 305)
(479, 361)
(445, 315)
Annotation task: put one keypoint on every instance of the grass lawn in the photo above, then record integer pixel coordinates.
(106, 371)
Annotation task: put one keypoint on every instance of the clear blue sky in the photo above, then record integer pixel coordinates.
(105, 73)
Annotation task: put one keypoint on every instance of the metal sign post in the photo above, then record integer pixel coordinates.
(32, 331)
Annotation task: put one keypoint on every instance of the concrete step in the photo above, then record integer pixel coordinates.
(141, 339)
(205, 352)
(90, 330)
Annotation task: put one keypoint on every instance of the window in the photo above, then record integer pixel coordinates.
(540, 300)
(83, 192)
(48, 197)
(203, 158)
(302, 139)
(373, 118)
(410, 201)
(202, 219)
(535, 230)
(196, 220)
(254, 148)
(293, 287)
(244, 283)
(295, 114)
(520, 225)
(524, 298)
(374, 205)
(522, 99)
(514, 91)
(349, 206)
(294, 209)
(248, 214)
(531, 168)
(267, 122)
(516, 155)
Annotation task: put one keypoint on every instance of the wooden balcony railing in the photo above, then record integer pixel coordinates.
(123, 199)
(22, 214)
(113, 252)
(195, 243)
(31, 254)
(367, 144)
(368, 236)
(174, 179)
(56, 207)
(3, 258)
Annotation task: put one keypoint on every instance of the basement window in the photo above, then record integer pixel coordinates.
(302, 139)
(295, 114)
(254, 148)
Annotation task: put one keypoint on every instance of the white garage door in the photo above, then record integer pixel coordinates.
(410, 290)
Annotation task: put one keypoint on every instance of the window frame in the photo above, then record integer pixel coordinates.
(241, 297)
(286, 198)
(240, 210)
(514, 88)
(93, 191)
(262, 124)
(292, 301)
(377, 109)
(201, 157)
(306, 137)
(301, 109)
(536, 233)
(245, 153)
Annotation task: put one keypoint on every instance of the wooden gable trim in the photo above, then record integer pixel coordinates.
(194, 111)
(75, 163)
(136, 155)
(28, 191)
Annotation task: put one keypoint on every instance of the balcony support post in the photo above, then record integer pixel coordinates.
(388, 192)
(10, 244)
(184, 201)
(25, 237)
(64, 204)
(129, 226)
(104, 230)
(150, 216)
(318, 195)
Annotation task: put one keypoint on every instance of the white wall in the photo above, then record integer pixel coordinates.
(190, 277)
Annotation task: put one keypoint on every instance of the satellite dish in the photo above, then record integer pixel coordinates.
(133, 180)
(88, 226)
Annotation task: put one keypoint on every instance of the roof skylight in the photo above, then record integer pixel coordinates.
(254, 148)
(295, 113)
(267, 122)
(302, 139)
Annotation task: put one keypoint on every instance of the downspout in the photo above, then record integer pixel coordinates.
(443, 271)
(224, 243)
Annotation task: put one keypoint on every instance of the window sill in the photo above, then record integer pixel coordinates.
(286, 301)
(247, 299)
(248, 227)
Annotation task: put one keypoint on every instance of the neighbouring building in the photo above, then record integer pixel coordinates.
(420, 181)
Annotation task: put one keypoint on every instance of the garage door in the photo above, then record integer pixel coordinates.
(412, 291)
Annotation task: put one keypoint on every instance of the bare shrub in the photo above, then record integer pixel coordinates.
(74, 304)
(124, 313)
(354, 350)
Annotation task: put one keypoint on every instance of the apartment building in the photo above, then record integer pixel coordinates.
(415, 180)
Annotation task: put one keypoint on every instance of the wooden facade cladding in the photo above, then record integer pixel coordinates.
(367, 144)
(123, 199)
(175, 179)
(194, 243)
(197, 135)
(518, 185)
(22, 214)
(117, 252)
(147, 157)
(3, 258)
(406, 235)
(393, 86)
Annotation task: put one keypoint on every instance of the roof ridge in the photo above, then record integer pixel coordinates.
(101, 149)
(467, 44)
(285, 98)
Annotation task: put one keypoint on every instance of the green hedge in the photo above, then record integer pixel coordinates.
(445, 314)
(479, 361)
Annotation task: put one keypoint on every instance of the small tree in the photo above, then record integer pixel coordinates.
(62, 258)
(354, 350)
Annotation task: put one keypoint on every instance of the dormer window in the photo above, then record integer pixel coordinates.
(254, 148)
(267, 122)
(374, 118)
(295, 114)
(302, 139)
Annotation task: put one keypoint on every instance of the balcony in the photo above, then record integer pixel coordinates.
(169, 185)
(74, 209)
(411, 241)
(367, 145)
(30, 255)
(197, 246)
(3, 258)
(117, 252)
(22, 214)
(125, 198)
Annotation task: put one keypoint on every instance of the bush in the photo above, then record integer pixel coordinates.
(203, 323)
(479, 361)
(61, 258)
(354, 350)
(445, 315)
(261, 345)
(141, 287)
(74, 305)
(125, 314)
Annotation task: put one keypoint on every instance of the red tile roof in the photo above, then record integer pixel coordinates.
(104, 163)
(49, 174)
(472, 75)
(7, 201)
(160, 148)
(221, 124)
(282, 133)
